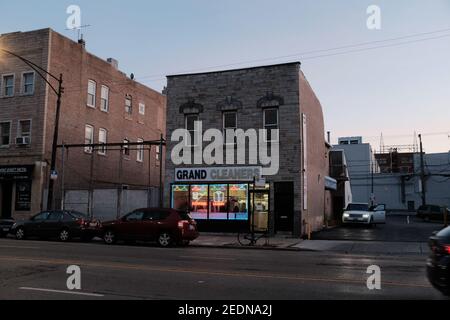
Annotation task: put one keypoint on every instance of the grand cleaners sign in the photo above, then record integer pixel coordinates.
(216, 174)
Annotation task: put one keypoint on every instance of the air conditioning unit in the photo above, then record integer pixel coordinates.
(22, 141)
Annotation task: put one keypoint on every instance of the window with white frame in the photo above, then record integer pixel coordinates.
(88, 138)
(5, 134)
(126, 148)
(271, 123)
(128, 105)
(190, 127)
(140, 151)
(24, 129)
(8, 85)
(103, 140)
(92, 89)
(230, 124)
(104, 101)
(28, 83)
(142, 108)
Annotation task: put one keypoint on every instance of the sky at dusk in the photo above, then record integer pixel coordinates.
(395, 87)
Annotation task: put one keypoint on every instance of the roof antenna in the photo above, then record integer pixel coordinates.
(79, 32)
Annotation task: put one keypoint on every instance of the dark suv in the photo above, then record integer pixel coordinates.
(165, 226)
(432, 212)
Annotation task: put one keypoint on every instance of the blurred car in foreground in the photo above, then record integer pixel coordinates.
(432, 212)
(438, 266)
(5, 226)
(165, 226)
(361, 213)
(63, 225)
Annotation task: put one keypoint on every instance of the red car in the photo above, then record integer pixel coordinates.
(165, 226)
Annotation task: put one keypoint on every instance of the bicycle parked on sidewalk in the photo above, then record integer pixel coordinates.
(247, 238)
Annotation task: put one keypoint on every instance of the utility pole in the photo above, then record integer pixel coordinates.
(51, 181)
(422, 173)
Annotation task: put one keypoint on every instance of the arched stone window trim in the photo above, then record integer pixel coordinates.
(191, 107)
(270, 101)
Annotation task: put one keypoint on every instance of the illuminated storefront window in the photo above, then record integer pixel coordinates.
(238, 202)
(199, 202)
(218, 194)
(220, 202)
(180, 197)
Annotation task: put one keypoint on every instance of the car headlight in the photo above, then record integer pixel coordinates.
(366, 216)
(346, 215)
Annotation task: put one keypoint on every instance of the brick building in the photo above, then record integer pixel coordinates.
(220, 197)
(100, 104)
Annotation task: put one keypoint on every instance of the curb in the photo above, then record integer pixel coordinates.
(260, 248)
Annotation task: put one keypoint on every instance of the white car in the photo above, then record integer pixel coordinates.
(362, 213)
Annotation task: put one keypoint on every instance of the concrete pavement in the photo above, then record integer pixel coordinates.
(37, 270)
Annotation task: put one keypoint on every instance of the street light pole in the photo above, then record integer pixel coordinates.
(42, 72)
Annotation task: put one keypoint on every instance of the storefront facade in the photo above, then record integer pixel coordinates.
(221, 201)
(16, 190)
(279, 105)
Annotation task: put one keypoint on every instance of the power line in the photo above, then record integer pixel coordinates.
(306, 53)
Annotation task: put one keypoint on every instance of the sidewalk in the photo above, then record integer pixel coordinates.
(295, 244)
(231, 241)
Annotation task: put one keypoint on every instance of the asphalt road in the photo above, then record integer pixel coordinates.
(396, 229)
(30, 269)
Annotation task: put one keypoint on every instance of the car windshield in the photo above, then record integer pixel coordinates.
(357, 207)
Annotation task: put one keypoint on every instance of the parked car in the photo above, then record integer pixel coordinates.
(361, 213)
(63, 225)
(432, 212)
(5, 226)
(438, 266)
(165, 226)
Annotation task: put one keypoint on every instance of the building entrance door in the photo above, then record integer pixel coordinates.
(6, 190)
(284, 206)
(261, 210)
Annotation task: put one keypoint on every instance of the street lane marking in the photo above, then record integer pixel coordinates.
(63, 292)
(207, 258)
(211, 273)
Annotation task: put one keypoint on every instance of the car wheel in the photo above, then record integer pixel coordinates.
(165, 239)
(20, 234)
(109, 237)
(64, 235)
